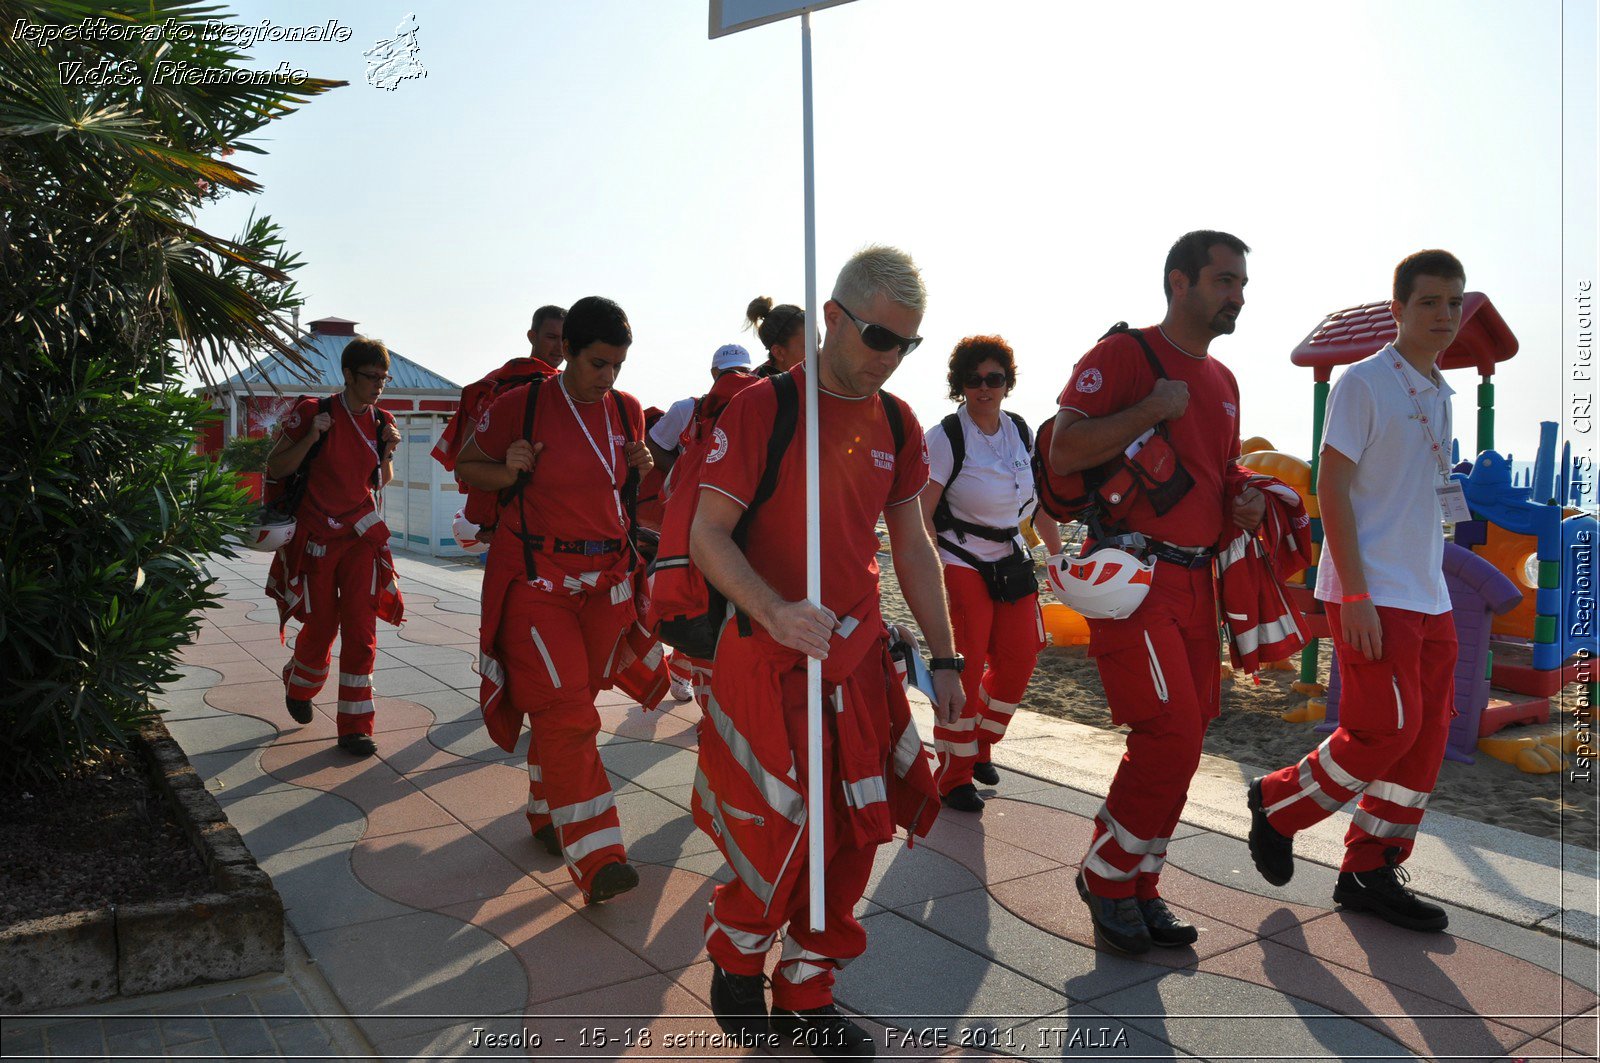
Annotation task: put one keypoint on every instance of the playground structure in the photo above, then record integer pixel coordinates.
(1520, 572)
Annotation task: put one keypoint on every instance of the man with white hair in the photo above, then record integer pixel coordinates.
(750, 792)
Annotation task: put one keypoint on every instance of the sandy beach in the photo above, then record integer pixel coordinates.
(1250, 730)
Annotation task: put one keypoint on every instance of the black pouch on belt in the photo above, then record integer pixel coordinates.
(1010, 579)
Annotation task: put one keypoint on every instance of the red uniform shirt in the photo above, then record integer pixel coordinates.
(340, 481)
(1116, 375)
(573, 492)
(861, 474)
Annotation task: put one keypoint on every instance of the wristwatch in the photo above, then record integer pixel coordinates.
(957, 663)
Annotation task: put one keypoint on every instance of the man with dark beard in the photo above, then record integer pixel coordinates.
(1158, 397)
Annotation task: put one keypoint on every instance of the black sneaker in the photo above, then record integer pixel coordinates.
(824, 1033)
(300, 711)
(547, 837)
(1166, 929)
(739, 1003)
(611, 880)
(964, 798)
(1383, 893)
(360, 745)
(1272, 852)
(985, 772)
(1118, 923)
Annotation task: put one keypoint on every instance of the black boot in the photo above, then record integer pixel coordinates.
(739, 1002)
(299, 710)
(547, 837)
(985, 772)
(612, 879)
(1383, 893)
(359, 745)
(1118, 923)
(1166, 929)
(1272, 852)
(824, 1033)
(964, 798)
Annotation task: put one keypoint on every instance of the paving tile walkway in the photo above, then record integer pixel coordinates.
(433, 927)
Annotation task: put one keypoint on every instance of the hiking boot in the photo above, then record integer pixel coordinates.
(547, 837)
(682, 689)
(1383, 893)
(984, 771)
(300, 711)
(1118, 923)
(612, 879)
(1166, 929)
(739, 1002)
(824, 1033)
(1272, 852)
(964, 798)
(359, 745)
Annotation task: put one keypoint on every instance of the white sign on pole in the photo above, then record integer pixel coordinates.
(731, 16)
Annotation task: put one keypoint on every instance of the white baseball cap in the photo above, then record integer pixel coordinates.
(730, 356)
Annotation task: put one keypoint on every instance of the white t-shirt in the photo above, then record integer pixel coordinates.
(666, 431)
(1374, 422)
(995, 487)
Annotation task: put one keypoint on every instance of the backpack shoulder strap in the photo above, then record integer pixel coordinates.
(1144, 345)
(529, 405)
(957, 437)
(1022, 429)
(897, 425)
(784, 422)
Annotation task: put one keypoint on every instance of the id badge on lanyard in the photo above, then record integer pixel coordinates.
(1452, 499)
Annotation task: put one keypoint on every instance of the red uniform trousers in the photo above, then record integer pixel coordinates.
(342, 599)
(1161, 669)
(740, 928)
(557, 648)
(1394, 723)
(1001, 643)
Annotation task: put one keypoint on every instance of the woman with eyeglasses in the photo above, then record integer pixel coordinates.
(780, 331)
(336, 575)
(980, 487)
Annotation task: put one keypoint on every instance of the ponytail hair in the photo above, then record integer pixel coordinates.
(773, 324)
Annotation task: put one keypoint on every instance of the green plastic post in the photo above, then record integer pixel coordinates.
(1485, 414)
(1319, 404)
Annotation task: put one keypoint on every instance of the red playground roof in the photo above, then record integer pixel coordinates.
(1348, 336)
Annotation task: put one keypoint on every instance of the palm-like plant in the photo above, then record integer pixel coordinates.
(106, 284)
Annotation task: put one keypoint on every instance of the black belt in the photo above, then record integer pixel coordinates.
(584, 547)
(1185, 556)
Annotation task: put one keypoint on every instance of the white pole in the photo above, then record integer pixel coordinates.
(815, 795)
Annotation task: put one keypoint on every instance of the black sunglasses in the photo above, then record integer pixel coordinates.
(879, 338)
(985, 380)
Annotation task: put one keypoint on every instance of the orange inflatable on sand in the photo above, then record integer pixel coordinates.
(1063, 626)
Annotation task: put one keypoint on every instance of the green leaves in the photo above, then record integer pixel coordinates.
(106, 285)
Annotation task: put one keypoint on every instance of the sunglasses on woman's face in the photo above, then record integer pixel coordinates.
(985, 380)
(879, 338)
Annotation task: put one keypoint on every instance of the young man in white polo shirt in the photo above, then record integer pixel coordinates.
(1384, 488)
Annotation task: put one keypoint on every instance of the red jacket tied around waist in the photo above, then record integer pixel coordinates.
(1260, 622)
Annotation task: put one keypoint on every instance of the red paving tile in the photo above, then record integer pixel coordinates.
(511, 838)
(562, 952)
(391, 804)
(1053, 833)
(214, 652)
(434, 867)
(631, 721)
(985, 855)
(1050, 902)
(1457, 972)
(1423, 1024)
(662, 920)
(411, 751)
(476, 791)
(1261, 916)
(1578, 1035)
(245, 670)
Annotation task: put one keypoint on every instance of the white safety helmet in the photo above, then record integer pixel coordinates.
(268, 530)
(465, 531)
(1109, 584)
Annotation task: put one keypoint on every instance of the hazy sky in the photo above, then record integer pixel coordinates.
(1036, 158)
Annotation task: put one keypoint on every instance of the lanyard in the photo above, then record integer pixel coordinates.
(1398, 366)
(609, 466)
(345, 406)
